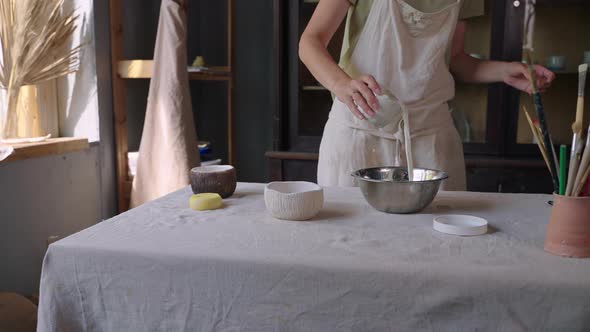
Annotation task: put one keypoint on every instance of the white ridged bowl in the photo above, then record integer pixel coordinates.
(297, 200)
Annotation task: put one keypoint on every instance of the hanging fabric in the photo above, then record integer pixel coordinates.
(168, 148)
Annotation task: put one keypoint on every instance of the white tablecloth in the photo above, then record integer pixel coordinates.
(164, 267)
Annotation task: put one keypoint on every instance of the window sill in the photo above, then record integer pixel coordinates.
(51, 146)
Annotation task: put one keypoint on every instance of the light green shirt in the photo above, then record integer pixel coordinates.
(359, 11)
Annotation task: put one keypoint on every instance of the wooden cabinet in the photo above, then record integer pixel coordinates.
(500, 153)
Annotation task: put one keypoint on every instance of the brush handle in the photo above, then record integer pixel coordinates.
(537, 136)
(580, 184)
(562, 168)
(582, 168)
(547, 140)
(580, 114)
(574, 162)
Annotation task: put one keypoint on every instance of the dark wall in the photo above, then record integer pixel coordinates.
(253, 87)
(207, 36)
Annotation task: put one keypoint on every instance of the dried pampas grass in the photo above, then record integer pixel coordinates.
(33, 36)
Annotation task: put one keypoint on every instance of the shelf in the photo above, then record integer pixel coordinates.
(51, 146)
(213, 74)
(470, 161)
(142, 69)
(560, 3)
(562, 72)
(313, 88)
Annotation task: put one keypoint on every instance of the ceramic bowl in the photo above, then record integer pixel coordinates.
(556, 62)
(296, 200)
(220, 179)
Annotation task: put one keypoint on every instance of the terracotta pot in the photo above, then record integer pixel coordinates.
(568, 231)
(219, 179)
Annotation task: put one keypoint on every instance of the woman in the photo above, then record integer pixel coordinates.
(411, 49)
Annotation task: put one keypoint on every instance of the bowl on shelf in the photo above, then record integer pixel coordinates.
(556, 62)
(477, 56)
(220, 179)
(389, 190)
(296, 200)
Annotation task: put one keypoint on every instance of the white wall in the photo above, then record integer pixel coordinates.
(77, 93)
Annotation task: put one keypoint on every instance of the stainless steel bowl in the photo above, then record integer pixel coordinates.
(388, 189)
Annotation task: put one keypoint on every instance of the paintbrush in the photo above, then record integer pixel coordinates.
(584, 163)
(562, 168)
(529, 28)
(576, 151)
(552, 146)
(550, 150)
(584, 177)
(537, 137)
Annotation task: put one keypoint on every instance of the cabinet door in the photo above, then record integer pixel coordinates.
(309, 102)
(561, 40)
(476, 108)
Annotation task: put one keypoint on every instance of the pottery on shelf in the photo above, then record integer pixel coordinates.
(556, 62)
(296, 200)
(219, 179)
(568, 231)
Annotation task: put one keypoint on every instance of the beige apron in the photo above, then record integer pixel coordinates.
(404, 49)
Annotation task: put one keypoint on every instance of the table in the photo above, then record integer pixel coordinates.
(164, 267)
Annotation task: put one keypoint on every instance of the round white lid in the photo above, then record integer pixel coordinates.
(462, 225)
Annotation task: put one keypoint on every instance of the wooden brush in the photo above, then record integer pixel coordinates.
(577, 142)
(537, 137)
(527, 48)
(579, 185)
(551, 155)
(580, 176)
(583, 165)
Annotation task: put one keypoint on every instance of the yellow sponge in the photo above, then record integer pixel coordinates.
(208, 201)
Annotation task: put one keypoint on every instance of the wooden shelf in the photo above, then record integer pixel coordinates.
(560, 3)
(49, 147)
(313, 88)
(213, 74)
(470, 161)
(142, 69)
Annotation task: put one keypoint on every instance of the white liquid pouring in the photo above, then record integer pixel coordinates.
(392, 111)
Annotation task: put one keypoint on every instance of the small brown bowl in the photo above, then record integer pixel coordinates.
(220, 179)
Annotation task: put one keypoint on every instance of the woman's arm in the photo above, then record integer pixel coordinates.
(468, 69)
(312, 50)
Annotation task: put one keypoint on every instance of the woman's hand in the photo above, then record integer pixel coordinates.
(517, 75)
(470, 70)
(361, 92)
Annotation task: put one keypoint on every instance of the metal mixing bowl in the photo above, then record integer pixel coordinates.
(387, 189)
